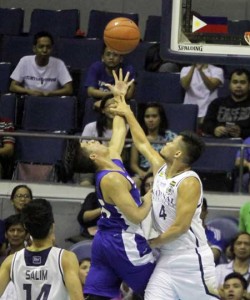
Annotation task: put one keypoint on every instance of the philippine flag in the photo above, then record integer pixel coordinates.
(210, 24)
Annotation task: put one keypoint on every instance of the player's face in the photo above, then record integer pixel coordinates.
(242, 246)
(16, 235)
(83, 270)
(170, 149)
(233, 289)
(43, 47)
(152, 118)
(93, 146)
(239, 85)
(111, 58)
(21, 198)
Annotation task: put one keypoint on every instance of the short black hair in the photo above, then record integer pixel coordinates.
(237, 276)
(194, 146)
(37, 217)
(41, 34)
(240, 71)
(12, 220)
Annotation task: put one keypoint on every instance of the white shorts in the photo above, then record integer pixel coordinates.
(185, 275)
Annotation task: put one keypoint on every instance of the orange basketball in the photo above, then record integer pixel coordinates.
(121, 35)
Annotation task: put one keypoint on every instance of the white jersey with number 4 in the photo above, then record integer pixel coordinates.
(164, 200)
(39, 275)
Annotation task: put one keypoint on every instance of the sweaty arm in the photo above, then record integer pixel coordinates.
(187, 200)
(71, 275)
(115, 188)
(5, 274)
(140, 140)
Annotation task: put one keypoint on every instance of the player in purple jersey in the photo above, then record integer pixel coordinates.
(120, 251)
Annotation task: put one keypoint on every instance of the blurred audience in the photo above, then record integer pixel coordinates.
(41, 74)
(240, 263)
(20, 196)
(100, 73)
(234, 287)
(230, 116)
(155, 125)
(201, 82)
(244, 188)
(89, 215)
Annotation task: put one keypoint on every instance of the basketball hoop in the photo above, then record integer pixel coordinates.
(247, 37)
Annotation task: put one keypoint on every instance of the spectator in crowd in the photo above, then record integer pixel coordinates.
(147, 183)
(7, 145)
(214, 235)
(51, 272)
(201, 82)
(15, 234)
(234, 287)
(100, 74)
(20, 196)
(230, 116)
(155, 126)
(245, 188)
(89, 215)
(2, 237)
(16, 237)
(84, 266)
(41, 74)
(240, 262)
(244, 219)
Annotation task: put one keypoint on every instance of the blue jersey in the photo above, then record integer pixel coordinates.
(120, 251)
(111, 217)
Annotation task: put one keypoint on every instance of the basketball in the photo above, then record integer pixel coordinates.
(121, 35)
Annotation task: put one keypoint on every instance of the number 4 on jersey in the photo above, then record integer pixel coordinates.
(162, 213)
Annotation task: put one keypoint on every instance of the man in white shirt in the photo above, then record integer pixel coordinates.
(41, 74)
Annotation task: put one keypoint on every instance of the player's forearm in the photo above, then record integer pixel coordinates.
(138, 135)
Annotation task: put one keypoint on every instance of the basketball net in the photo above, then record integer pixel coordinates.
(247, 37)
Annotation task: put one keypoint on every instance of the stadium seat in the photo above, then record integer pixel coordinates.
(5, 70)
(8, 107)
(181, 117)
(216, 165)
(227, 225)
(159, 87)
(137, 57)
(13, 48)
(49, 113)
(82, 249)
(11, 21)
(79, 53)
(153, 29)
(99, 19)
(60, 23)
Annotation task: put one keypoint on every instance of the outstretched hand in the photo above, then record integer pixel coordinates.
(121, 85)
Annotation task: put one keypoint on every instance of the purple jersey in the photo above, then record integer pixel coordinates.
(120, 251)
(111, 216)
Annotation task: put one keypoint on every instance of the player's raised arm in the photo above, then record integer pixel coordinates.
(139, 138)
(119, 130)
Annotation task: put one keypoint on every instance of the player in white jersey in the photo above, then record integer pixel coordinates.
(41, 271)
(185, 269)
